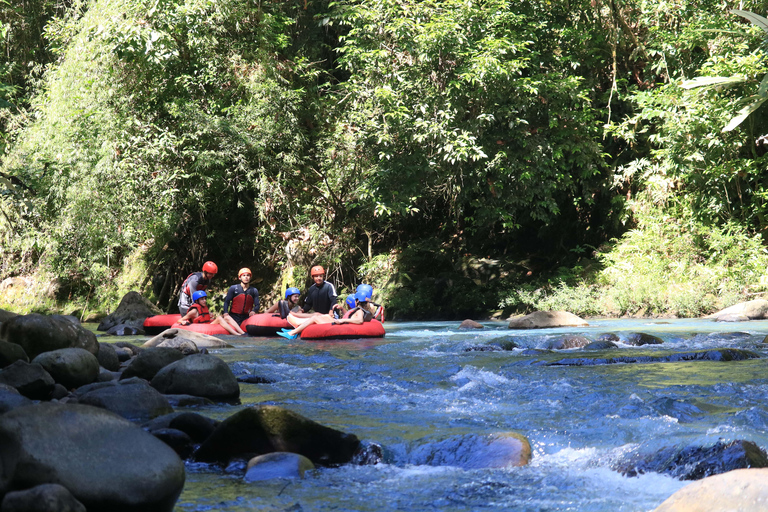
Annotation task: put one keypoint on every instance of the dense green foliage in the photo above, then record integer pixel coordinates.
(448, 151)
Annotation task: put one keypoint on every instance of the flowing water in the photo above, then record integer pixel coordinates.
(426, 393)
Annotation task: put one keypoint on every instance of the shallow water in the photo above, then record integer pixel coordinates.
(424, 393)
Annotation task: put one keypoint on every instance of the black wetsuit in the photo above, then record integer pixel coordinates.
(242, 302)
(320, 298)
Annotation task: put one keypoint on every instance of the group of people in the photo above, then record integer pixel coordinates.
(242, 301)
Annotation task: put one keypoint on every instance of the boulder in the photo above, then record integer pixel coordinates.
(694, 462)
(600, 345)
(10, 353)
(498, 450)
(41, 498)
(70, 367)
(744, 490)
(132, 399)
(732, 318)
(6, 315)
(175, 338)
(608, 336)
(10, 399)
(188, 401)
(277, 465)
(198, 375)
(268, 428)
(547, 319)
(133, 349)
(750, 310)
(107, 357)
(31, 380)
(177, 440)
(106, 462)
(196, 426)
(470, 324)
(639, 339)
(150, 361)
(59, 392)
(40, 333)
(131, 312)
(565, 342)
(124, 330)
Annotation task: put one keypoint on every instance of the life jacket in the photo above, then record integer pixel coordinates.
(203, 316)
(241, 304)
(349, 313)
(367, 315)
(202, 283)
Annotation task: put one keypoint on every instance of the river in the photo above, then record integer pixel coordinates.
(425, 392)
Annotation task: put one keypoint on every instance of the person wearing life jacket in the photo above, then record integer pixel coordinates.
(288, 305)
(242, 299)
(321, 296)
(198, 314)
(194, 282)
(376, 309)
(350, 303)
(358, 315)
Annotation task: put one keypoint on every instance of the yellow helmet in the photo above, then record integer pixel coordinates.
(244, 270)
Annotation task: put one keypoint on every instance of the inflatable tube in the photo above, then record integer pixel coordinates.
(210, 329)
(264, 324)
(372, 329)
(158, 323)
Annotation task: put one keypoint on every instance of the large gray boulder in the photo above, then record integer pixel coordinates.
(268, 428)
(10, 399)
(750, 310)
(132, 311)
(41, 498)
(106, 462)
(175, 338)
(198, 375)
(132, 399)
(745, 490)
(6, 315)
(150, 361)
(31, 380)
(546, 320)
(70, 367)
(10, 353)
(40, 333)
(108, 358)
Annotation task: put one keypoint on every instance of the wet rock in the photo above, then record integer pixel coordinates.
(470, 324)
(277, 465)
(132, 399)
(695, 462)
(150, 361)
(547, 319)
(196, 426)
(106, 462)
(179, 442)
(188, 401)
(608, 336)
(124, 330)
(751, 310)
(684, 412)
(131, 312)
(742, 489)
(565, 342)
(255, 379)
(59, 392)
(70, 367)
(720, 354)
(499, 450)
(368, 454)
(198, 375)
(106, 375)
(267, 428)
(732, 318)
(10, 400)
(107, 357)
(10, 353)
(41, 498)
(639, 339)
(123, 354)
(31, 380)
(175, 338)
(600, 345)
(6, 315)
(39, 333)
(133, 349)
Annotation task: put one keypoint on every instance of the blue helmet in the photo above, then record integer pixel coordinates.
(292, 291)
(351, 300)
(367, 289)
(363, 296)
(198, 294)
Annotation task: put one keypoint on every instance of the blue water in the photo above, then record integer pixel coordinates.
(424, 394)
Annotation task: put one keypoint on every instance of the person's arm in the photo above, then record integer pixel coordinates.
(308, 300)
(273, 307)
(255, 303)
(187, 319)
(356, 318)
(227, 300)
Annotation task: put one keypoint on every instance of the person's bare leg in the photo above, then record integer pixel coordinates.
(296, 319)
(232, 322)
(317, 319)
(220, 321)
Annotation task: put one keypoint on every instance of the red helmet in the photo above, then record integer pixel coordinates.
(317, 271)
(210, 267)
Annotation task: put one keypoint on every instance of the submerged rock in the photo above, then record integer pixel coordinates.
(719, 354)
(695, 462)
(564, 343)
(547, 319)
(744, 490)
(499, 450)
(601, 345)
(639, 339)
(268, 428)
(470, 324)
(277, 465)
(106, 462)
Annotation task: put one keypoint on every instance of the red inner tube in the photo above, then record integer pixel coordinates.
(264, 324)
(158, 323)
(372, 329)
(210, 329)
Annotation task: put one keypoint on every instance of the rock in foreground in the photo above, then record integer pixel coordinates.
(40, 333)
(745, 490)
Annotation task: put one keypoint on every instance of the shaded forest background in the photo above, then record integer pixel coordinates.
(465, 158)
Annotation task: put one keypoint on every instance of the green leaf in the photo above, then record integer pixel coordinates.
(744, 113)
(756, 19)
(711, 81)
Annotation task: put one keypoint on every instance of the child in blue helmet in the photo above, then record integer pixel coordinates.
(288, 305)
(376, 309)
(198, 314)
(358, 315)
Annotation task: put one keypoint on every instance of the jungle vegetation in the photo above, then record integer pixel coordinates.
(465, 157)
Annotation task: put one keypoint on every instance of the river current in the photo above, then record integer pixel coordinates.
(427, 392)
